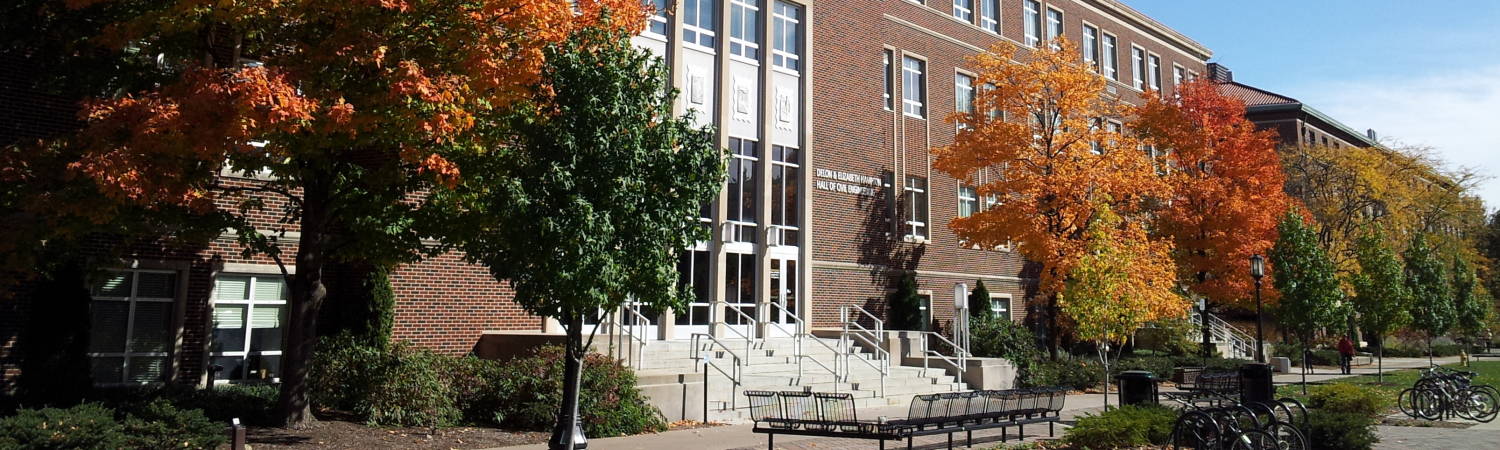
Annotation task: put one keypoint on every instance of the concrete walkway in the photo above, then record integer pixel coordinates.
(741, 437)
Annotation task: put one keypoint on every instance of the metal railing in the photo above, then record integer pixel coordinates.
(636, 330)
(748, 336)
(799, 334)
(855, 334)
(1241, 345)
(959, 360)
(703, 348)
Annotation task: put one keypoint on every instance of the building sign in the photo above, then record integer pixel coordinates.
(845, 182)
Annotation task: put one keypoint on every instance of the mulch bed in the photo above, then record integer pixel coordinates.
(343, 434)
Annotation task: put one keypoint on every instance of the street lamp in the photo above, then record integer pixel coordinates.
(1258, 271)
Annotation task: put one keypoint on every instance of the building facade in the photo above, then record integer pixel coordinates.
(828, 110)
(1297, 123)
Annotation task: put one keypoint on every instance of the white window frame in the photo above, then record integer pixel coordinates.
(989, 15)
(1090, 45)
(1001, 299)
(744, 229)
(133, 299)
(250, 303)
(751, 7)
(1179, 75)
(1138, 67)
(960, 87)
(1055, 25)
(968, 195)
(1031, 19)
(790, 60)
(1109, 52)
(1153, 70)
(659, 19)
(914, 107)
(699, 31)
(793, 184)
(964, 10)
(917, 219)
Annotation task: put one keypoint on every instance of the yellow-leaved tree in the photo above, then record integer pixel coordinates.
(1045, 120)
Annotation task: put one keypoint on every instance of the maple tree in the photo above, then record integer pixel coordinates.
(1311, 297)
(1124, 280)
(1043, 124)
(329, 116)
(1227, 187)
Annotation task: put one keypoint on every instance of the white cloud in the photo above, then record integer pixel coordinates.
(1456, 113)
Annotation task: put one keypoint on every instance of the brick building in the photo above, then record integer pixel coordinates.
(828, 108)
(1298, 123)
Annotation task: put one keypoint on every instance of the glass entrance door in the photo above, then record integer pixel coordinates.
(782, 314)
(740, 275)
(693, 269)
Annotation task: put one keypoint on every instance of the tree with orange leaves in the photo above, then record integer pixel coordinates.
(323, 118)
(1047, 125)
(1226, 180)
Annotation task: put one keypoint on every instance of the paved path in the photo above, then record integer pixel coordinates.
(740, 436)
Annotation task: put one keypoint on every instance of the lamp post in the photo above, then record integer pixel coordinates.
(1258, 271)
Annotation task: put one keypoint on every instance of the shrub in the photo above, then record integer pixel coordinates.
(159, 424)
(480, 388)
(1331, 430)
(1004, 338)
(251, 403)
(1347, 398)
(1161, 366)
(407, 390)
(1168, 337)
(1073, 373)
(86, 426)
(610, 403)
(343, 372)
(1125, 427)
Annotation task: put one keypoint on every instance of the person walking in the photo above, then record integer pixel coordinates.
(1346, 354)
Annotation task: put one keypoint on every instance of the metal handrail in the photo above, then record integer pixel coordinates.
(734, 370)
(959, 361)
(1240, 343)
(748, 337)
(798, 336)
(641, 321)
(871, 339)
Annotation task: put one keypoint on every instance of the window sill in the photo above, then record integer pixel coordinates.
(916, 240)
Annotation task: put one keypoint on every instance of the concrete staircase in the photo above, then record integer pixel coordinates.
(674, 380)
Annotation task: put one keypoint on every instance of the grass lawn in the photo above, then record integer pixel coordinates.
(1488, 370)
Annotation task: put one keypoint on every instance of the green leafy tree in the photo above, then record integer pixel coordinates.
(906, 305)
(979, 302)
(1432, 309)
(1472, 305)
(1305, 276)
(1380, 291)
(594, 196)
(1489, 250)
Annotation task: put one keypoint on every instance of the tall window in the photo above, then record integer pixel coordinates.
(963, 10)
(1091, 46)
(989, 15)
(786, 185)
(968, 201)
(1054, 26)
(788, 48)
(739, 286)
(698, 22)
(916, 207)
(1033, 22)
(963, 95)
(131, 333)
(658, 24)
(993, 113)
(1138, 65)
(1179, 75)
(1155, 72)
(914, 86)
(744, 28)
(744, 189)
(692, 271)
(1111, 58)
(890, 83)
(248, 314)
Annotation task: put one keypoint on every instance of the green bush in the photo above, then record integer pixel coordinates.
(1348, 398)
(400, 386)
(1004, 338)
(1125, 427)
(1169, 337)
(86, 426)
(1331, 430)
(610, 403)
(480, 388)
(1161, 366)
(1072, 373)
(251, 403)
(153, 425)
(160, 425)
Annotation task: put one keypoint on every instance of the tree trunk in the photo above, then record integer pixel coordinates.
(1054, 335)
(566, 434)
(307, 293)
(1380, 358)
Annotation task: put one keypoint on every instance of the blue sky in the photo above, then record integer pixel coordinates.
(1423, 73)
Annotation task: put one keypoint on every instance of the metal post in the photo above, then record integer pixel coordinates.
(705, 392)
(1260, 331)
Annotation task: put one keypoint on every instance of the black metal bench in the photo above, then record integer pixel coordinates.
(833, 415)
(1213, 388)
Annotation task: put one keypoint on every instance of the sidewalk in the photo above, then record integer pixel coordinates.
(740, 436)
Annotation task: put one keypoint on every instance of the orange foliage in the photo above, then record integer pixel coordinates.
(1054, 181)
(1227, 187)
(381, 76)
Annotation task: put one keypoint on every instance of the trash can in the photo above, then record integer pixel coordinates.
(1137, 387)
(1255, 383)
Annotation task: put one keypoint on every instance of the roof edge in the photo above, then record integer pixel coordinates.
(1152, 24)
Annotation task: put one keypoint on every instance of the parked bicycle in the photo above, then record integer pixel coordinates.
(1441, 393)
(1213, 418)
